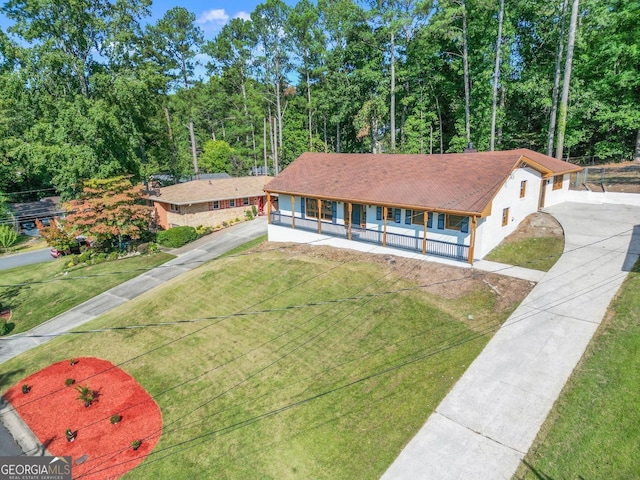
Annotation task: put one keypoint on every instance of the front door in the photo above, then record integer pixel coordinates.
(543, 190)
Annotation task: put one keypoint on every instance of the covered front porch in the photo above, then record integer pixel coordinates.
(356, 229)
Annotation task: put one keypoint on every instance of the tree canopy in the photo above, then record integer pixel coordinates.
(92, 89)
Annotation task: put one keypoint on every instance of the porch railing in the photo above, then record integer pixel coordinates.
(358, 234)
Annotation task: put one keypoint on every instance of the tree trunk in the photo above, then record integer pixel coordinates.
(338, 137)
(264, 147)
(465, 63)
(194, 151)
(309, 110)
(326, 145)
(174, 162)
(636, 155)
(556, 83)
(562, 123)
(496, 77)
(393, 94)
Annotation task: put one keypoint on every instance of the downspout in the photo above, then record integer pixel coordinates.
(350, 208)
(319, 206)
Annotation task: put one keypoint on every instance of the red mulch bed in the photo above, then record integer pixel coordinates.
(50, 408)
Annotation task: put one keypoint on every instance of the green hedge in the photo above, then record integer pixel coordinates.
(177, 236)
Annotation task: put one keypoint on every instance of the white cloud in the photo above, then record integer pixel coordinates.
(216, 16)
(243, 15)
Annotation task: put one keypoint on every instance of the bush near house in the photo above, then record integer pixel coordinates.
(177, 236)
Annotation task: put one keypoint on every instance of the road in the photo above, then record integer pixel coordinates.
(27, 258)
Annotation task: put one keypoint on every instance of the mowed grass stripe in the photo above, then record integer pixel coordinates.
(229, 385)
(33, 302)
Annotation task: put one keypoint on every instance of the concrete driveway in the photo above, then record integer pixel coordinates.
(486, 424)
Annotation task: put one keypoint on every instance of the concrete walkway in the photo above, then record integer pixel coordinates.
(486, 424)
(188, 258)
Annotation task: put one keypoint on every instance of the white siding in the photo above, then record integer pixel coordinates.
(553, 197)
(490, 231)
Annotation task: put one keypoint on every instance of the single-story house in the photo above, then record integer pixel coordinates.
(453, 205)
(208, 202)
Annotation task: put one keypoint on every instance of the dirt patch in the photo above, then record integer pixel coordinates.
(50, 408)
(536, 225)
(438, 279)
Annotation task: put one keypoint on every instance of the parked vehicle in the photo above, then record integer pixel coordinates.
(74, 249)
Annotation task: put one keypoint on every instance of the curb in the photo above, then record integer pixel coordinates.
(22, 434)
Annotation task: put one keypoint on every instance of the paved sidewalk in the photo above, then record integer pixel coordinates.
(486, 424)
(188, 258)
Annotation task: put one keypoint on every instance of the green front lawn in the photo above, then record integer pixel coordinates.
(250, 387)
(594, 428)
(24, 243)
(37, 293)
(538, 253)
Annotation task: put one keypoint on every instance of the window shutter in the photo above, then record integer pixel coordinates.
(378, 213)
(396, 215)
(441, 221)
(334, 212)
(464, 227)
(430, 220)
(407, 217)
(302, 204)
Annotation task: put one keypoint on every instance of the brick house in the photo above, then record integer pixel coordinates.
(208, 202)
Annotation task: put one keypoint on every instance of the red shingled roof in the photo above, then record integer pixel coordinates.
(463, 183)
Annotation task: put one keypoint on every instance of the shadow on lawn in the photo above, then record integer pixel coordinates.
(4, 378)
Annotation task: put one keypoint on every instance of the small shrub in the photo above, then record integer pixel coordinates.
(225, 224)
(72, 361)
(100, 258)
(248, 215)
(84, 257)
(115, 419)
(177, 237)
(153, 247)
(69, 381)
(218, 227)
(254, 210)
(136, 444)
(25, 388)
(237, 220)
(4, 327)
(113, 256)
(86, 394)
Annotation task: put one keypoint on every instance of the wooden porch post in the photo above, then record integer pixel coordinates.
(424, 240)
(268, 207)
(319, 206)
(293, 211)
(384, 233)
(472, 242)
(350, 208)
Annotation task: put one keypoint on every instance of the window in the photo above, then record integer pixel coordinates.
(407, 217)
(397, 213)
(215, 205)
(454, 222)
(245, 201)
(232, 203)
(557, 182)
(174, 208)
(326, 209)
(378, 213)
(418, 218)
(389, 213)
(523, 188)
(505, 217)
(441, 221)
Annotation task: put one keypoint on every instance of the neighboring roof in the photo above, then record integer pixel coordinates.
(464, 182)
(46, 208)
(199, 191)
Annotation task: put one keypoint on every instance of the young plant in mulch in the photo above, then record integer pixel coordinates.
(70, 435)
(26, 388)
(72, 361)
(69, 381)
(136, 444)
(86, 395)
(115, 419)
